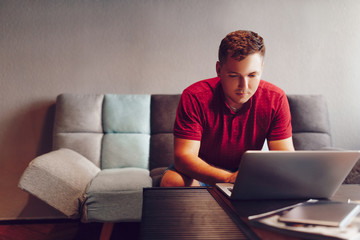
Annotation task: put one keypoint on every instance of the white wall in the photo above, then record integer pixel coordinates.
(158, 46)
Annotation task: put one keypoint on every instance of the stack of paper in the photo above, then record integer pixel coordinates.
(313, 218)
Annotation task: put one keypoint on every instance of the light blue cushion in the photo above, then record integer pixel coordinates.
(126, 113)
(125, 150)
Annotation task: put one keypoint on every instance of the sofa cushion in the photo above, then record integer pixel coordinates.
(311, 141)
(125, 150)
(116, 195)
(161, 150)
(126, 113)
(60, 179)
(310, 122)
(78, 124)
(163, 112)
(86, 144)
(309, 113)
(156, 174)
(126, 122)
(78, 113)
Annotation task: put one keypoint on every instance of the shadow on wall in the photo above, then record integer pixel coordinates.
(29, 132)
(25, 135)
(45, 143)
(37, 209)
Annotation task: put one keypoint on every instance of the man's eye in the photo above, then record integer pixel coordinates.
(233, 76)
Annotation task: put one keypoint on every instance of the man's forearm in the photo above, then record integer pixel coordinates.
(188, 163)
(195, 168)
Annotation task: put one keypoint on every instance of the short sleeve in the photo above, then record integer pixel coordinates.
(280, 127)
(188, 123)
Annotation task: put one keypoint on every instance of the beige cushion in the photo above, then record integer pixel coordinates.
(60, 178)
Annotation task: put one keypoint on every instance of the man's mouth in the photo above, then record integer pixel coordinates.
(241, 93)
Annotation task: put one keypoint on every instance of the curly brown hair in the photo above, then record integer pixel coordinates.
(241, 44)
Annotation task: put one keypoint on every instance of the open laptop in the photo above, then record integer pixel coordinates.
(290, 175)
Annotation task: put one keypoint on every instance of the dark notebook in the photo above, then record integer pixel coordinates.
(327, 213)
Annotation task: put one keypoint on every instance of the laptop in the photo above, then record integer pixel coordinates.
(290, 175)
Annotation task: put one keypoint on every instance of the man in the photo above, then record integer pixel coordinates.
(219, 119)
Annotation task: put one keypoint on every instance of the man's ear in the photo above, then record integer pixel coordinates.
(262, 68)
(218, 68)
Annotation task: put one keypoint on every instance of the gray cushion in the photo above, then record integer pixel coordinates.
(156, 175)
(86, 144)
(60, 179)
(161, 150)
(309, 113)
(163, 113)
(116, 195)
(310, 122)
(311, 141)
(78, 113)
(78, 124)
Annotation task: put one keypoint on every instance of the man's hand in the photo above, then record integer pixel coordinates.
(233, 177)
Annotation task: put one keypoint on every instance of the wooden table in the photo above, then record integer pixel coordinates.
(205, 213)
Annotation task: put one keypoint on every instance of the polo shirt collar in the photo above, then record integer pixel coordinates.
(246, 106)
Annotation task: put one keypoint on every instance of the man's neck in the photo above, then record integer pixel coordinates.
(232, 107)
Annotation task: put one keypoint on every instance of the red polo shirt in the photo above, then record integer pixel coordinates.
(204, 115)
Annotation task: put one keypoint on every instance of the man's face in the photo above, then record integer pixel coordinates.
(240, 79)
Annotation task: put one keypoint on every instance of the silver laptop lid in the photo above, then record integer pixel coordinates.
(292, 175)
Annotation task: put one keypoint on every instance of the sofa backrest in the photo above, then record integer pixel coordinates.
(114, 130)
(310, 122)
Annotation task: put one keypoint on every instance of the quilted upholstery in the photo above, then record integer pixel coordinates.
(126, 122)
(111, 133)
(78, 125)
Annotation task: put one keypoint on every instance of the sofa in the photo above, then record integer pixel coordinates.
(108, 147)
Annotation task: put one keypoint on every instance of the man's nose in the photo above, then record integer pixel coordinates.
(243, 83)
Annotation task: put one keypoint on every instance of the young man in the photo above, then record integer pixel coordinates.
(219, 119)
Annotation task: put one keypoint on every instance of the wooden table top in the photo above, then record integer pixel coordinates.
(205, 213)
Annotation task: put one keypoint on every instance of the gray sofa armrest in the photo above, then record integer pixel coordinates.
(60, 178)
